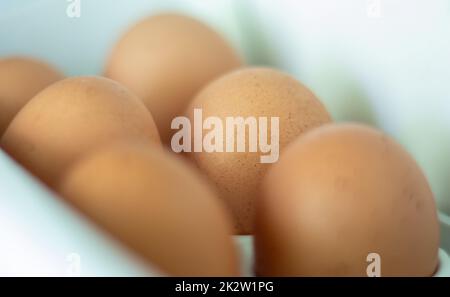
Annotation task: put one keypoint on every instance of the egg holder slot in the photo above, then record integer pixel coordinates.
(45, 236)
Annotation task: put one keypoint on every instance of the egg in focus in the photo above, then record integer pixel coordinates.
(20, 79)
(129, 190)
(251, 92)
(338, 194)
(71, 117)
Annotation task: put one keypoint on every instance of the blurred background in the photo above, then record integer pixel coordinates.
(382, 62)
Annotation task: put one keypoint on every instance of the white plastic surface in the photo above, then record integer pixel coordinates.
(42, 236)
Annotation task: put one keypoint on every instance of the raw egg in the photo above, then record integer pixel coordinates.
(165, 59)
(346, 200)
(71, 117)
(20, 79)
(155, 203)
(270, 108)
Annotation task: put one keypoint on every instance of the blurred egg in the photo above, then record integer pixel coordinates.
(165, 59)
(259, 93)
(71, 117)
(340, 198)
(157, 205)
(20, 79)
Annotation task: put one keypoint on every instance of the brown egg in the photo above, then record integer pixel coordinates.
(20, 79)
(258, 93)
(154, 202)
(165, 59)
(71, 117)
(345, 200)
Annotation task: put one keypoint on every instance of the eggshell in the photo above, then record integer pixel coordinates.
(165, 59)
(154, 202)
(338, 194)
(71, 117)
(252, 92)
(20, 79)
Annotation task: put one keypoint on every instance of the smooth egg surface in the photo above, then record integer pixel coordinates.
(165, 59)
(342, 197)
(158, 205)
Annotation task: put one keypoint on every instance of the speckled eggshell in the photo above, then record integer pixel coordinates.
(20, 79)
(71, 117)
(340, 198)
(155, 203)
(165, 59)
(255, 92)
